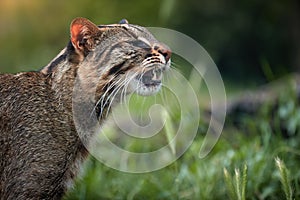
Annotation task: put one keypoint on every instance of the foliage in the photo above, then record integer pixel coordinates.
(210, 178)
(192, 178)
(236, 186)
(285, 179)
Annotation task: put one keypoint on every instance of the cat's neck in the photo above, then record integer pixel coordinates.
(72, 82)
(62, 80)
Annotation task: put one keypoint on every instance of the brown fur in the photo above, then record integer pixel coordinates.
(40, 148)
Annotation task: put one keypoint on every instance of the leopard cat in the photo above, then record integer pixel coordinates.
(41, 150)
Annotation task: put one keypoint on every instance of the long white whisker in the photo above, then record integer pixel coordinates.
(116, 89)
(124, 90)
(123, 85)
(113, 95)
(140, 80)
(103, 95)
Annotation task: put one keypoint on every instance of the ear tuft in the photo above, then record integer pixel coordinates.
(82, 33)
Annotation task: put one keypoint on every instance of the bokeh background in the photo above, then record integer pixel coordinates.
(253, 42)
(250, 41)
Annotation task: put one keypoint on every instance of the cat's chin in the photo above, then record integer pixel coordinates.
(143, 89)
(148, 90)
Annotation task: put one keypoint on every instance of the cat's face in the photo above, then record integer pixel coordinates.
(127, 57)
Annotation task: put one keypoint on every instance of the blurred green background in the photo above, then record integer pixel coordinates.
(253, 42)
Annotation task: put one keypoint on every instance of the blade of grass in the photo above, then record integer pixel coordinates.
(284, 178)
(244, 182)
(238, 183)
(229, 185)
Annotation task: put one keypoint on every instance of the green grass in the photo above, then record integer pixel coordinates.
(244, 164)
(236, 185)
(285, 179)
(194, 178)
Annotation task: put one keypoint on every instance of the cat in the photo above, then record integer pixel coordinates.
(41, 149)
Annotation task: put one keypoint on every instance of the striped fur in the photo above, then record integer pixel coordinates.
(41, 150)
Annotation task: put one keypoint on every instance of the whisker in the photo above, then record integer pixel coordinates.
(124, 90)
(118, 89)
(126, 86)
(123, 84)
(113, 95)
(103, 95)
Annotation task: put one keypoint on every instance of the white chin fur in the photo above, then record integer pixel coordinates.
(148, 90)
(142, 89)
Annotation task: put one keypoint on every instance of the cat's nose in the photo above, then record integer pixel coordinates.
(163, 50)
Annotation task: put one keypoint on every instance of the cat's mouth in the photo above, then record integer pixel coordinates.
(149, 82)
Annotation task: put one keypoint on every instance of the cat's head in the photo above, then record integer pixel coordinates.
(122, 56)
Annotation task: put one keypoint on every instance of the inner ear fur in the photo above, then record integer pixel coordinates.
(83, 34)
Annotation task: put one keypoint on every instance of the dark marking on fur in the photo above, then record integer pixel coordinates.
(116, 69)
(140, 44)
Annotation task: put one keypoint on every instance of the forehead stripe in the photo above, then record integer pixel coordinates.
(140, 44)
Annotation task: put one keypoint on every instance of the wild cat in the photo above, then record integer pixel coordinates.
(40, 147)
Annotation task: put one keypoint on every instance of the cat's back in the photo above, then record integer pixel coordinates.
(33, 136)
(28, 84)
(22, 93)
(23, 89)
(26, 104)
(25, 98)
(22, 98)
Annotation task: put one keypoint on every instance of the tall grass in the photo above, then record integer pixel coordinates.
(241, 165)
(284, 178)
(236, 185)
(192, 178)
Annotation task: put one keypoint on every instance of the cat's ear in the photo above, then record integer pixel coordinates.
(83, 34)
